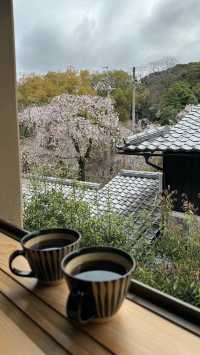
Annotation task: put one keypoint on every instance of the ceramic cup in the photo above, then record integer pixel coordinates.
(98, 279)
(44, 251)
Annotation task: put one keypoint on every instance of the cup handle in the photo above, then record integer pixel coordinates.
(80, 307)
(16, 271)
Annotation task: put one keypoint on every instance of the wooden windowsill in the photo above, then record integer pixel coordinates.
(36, 316)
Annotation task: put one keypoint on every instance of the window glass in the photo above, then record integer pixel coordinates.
(90, 76)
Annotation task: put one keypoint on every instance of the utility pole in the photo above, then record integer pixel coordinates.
(133, 101)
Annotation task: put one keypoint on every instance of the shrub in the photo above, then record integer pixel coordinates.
(169, 263)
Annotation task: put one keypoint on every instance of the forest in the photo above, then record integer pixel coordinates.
(159, 95)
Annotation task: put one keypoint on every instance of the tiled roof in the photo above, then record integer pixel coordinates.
(130, 193)
(183, 137)
(127, 193)
(135, 194)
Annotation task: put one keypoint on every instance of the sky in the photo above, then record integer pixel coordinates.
(52, 35)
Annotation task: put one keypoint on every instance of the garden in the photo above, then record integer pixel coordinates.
(170, 262)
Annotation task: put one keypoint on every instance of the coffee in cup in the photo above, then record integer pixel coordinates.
(98, 279)
(44, 251)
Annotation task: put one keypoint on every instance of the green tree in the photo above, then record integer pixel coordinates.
(39, 89)
(123, 102)
(118, 84)
(196, 91)
(85, 79)
(31, 90)
(174, 100)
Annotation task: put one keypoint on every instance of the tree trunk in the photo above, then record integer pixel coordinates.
(82, 169)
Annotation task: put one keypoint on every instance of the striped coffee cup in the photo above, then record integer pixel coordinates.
(44, 251)
(98, 280)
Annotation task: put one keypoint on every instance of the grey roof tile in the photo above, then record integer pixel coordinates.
(184, 136)
(128, 193)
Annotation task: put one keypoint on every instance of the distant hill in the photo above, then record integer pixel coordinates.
(169, 90)
(158, 82)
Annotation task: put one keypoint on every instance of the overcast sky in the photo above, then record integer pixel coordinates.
(53, 34)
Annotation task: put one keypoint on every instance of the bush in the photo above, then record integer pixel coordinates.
(170, 263)
(50, 208)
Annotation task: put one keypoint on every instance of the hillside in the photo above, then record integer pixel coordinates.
(181, 72)
(165, 93)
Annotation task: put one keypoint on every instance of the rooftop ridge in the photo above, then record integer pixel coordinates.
(65, 182)
(122, 195)
(142, 174)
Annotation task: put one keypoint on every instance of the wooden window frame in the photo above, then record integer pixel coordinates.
(180, 313)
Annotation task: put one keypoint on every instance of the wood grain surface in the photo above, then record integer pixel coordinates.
(134, 330)
(27, 329)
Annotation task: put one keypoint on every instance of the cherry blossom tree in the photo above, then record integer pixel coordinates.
(70, 127)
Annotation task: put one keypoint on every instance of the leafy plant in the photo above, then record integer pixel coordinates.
(170, 263)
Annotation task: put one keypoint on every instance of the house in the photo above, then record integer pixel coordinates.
(179, 148)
